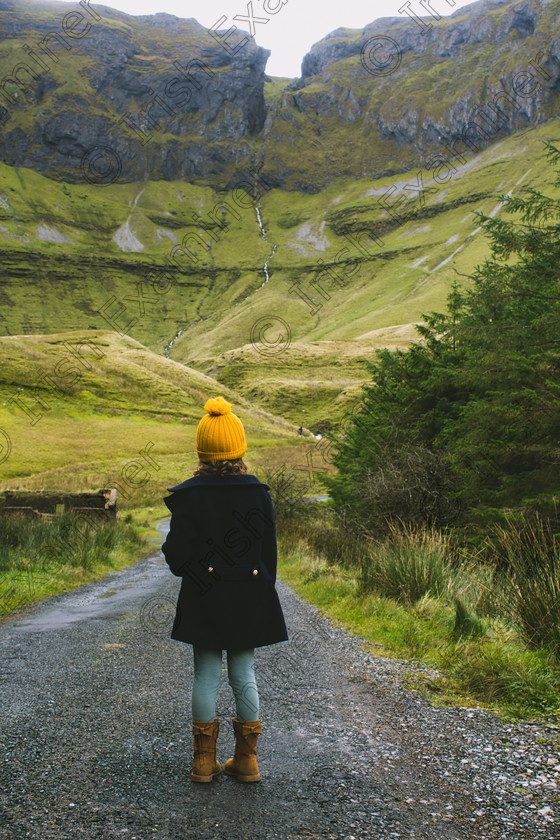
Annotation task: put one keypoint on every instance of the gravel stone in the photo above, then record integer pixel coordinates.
(96, 739)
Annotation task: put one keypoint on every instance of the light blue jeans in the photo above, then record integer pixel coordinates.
(241, 677)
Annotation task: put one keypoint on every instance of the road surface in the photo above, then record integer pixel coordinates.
(96, 741)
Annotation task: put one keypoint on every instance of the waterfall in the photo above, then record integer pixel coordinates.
(167, 349)
(263, 236)
(259, 220)
(267, 277)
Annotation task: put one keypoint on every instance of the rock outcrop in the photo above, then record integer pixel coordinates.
(137, 97)
(106, 96)
(408, 92)
(466, 27)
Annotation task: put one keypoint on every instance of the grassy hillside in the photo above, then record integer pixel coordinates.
(338, 302)
(77, 424)
(309, 383)
(328, 278)
(393, 282)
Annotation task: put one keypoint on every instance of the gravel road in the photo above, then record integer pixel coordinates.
(96, 743)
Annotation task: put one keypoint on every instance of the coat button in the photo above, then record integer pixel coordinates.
(210, 569)
(255, 571)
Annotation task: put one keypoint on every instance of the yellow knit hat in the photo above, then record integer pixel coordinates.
(220, 435)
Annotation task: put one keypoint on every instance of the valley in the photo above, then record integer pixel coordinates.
(266, 237)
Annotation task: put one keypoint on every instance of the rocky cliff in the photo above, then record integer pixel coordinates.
(89, 92)
(413, 91)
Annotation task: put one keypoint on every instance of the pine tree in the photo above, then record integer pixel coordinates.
(466, 422)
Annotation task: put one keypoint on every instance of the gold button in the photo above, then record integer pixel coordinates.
(255, 571)
(210, 569)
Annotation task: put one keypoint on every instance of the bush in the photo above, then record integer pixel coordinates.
(412, 484)
(532, 553)
(408, 565)
(287, 490)
(335, 546)
(30, 544)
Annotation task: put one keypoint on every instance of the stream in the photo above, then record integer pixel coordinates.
(274, 247)
(168, 347)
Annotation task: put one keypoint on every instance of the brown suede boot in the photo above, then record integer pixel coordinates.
(244, 765)
(205, 766)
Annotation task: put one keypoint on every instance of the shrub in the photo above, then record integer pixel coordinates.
(408, 565)
(335, 546)
(532, 553)
(411, 484)
(287, 490)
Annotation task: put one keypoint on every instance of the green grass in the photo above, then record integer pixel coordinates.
(408, 566)
(41, 558)
(91, 422)
(217, 297)
(94, 419)
(273, 87)
(481, 657)
(45, 558)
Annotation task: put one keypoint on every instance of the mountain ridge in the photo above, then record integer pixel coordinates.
(161, 97)
(255, 286)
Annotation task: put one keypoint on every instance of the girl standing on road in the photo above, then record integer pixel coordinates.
(222, 543)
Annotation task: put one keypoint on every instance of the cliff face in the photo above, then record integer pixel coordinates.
(402, 93)
(467, 26)
(89, 92)
(150, 96)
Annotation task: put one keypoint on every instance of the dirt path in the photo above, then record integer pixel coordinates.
(95, 734)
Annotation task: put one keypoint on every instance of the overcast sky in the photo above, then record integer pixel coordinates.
(290, 32)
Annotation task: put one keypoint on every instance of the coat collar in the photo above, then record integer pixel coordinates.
(218, 480)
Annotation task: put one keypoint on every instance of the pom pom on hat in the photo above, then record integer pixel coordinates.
(220, 435)
(217, 406)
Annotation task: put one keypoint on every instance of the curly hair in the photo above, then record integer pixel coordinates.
(235, 466)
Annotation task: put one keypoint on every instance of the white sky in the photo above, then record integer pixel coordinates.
(293, 29)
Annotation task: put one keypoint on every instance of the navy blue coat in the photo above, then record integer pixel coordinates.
(222, 543)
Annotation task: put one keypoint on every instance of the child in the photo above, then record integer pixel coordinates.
(222, 543)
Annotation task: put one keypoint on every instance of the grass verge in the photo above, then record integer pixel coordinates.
(479, 659)
(39, 559)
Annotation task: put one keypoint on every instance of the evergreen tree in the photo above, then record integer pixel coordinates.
(466, 423)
